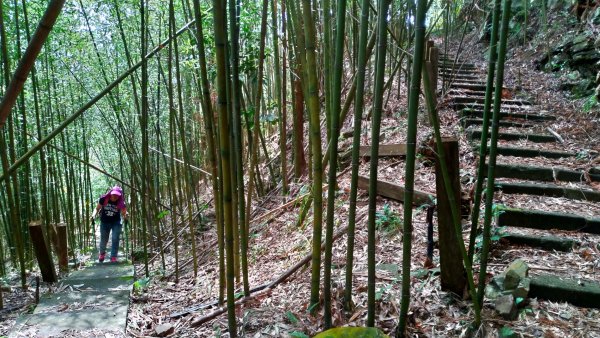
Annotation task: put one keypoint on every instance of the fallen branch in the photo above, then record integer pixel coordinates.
(555, 134)
(265, 288)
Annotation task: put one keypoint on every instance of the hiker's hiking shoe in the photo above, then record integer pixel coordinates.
(113, 259)
(101, 257)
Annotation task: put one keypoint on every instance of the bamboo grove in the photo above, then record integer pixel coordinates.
(181, 101)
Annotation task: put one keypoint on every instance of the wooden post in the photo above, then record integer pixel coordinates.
(451, 264)
(434, 57)
(42, 252)
(62, 249)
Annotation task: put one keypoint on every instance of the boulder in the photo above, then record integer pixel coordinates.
(506, 307)
(511, 280)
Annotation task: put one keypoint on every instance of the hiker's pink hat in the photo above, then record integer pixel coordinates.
(115, 192)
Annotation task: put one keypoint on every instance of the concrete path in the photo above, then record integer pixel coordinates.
(94, 300)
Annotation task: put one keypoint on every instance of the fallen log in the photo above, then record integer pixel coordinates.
(396, 192)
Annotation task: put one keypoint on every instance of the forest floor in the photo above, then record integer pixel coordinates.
(277, 243)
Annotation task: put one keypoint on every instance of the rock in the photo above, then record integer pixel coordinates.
(511, 280)
(164, 330)
(492, 291)
(522, 289)
(506, 307)
(519, 267)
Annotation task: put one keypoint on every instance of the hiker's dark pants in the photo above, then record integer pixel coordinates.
(105, 229)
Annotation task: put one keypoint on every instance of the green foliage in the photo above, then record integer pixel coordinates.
(290, 316)
(352, 332)
(387, 219)
(495, 235)
(297, 334)
(590, 103)
(140, 284)
(162, 214)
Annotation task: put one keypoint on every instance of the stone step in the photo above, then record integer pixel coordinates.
(543, 220)
(475, 82)
(450, 72)
(551, 190)
(476, 135)
(481, 99)
(543, 242)
(469, 86)
(559, 289)
(508, 115)
(459, 76)
(477, 122)
(525, 172)
(444, 63)
(528, 152)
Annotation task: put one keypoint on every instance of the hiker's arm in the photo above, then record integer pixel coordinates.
(95, 213)
(124, 213)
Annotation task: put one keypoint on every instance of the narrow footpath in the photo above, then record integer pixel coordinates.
(89, 302)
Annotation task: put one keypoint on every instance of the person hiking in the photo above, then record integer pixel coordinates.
(111, 207)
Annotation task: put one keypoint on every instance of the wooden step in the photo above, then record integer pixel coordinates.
(476, 135)
(525, 172)
(559, 289)
(551, 190)
(395, 192)
(504, 115)
(543, 220)
(543, 242)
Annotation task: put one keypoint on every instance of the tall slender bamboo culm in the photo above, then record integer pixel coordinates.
(491, 175)
(380, 55)
(413, 107)
(336, 91)
(219, 20)
(358, 111)
(493, 50)
(312, 98)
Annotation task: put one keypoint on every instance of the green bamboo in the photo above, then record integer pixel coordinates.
(279, 98)
(147, 219)
(489, 194)
(380, 56)
(485, 128)
(219, 20)
(358, 112)
(413, 106)
(334, 133)
(210, 140)
(315, 137)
